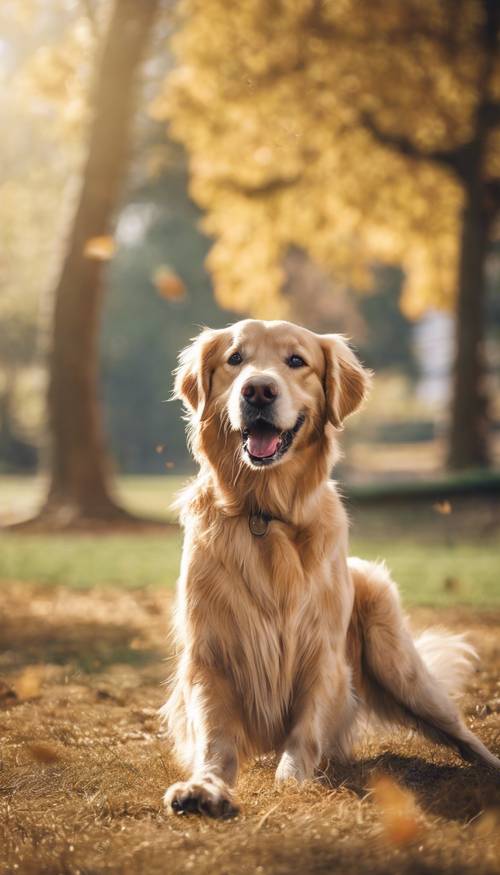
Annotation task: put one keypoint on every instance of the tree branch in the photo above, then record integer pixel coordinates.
(406, 147)
(263, 189)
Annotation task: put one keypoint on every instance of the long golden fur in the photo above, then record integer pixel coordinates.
(283, 642)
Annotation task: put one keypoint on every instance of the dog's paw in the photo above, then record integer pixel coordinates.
(209, 796)
(290, 769)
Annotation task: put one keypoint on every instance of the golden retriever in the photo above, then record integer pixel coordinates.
(283, 642)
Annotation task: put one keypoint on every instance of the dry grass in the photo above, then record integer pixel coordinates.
(83, 766)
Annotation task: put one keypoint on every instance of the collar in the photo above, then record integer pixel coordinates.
(258, 522)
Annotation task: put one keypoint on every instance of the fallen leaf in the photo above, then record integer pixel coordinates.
(29, 683)
(43, 752)
(398, 810)
(442, 507)
(100, 248)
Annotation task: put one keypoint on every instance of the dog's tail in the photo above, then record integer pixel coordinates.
(404, 681)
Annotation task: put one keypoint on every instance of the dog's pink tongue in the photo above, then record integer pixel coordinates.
(262, 445)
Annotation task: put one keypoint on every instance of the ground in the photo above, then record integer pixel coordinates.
(84, 653)
(83, 764)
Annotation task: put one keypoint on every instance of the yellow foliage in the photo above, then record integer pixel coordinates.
(54, 79)
(272, 102)
(43, 78)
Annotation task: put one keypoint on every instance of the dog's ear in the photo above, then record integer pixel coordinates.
(193, 376)
(346, 381)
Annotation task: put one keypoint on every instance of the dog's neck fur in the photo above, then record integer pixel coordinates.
(290, 491)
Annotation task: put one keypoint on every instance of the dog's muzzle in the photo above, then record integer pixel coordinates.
(263, 441)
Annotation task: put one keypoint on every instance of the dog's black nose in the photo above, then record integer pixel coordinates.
(259, 393)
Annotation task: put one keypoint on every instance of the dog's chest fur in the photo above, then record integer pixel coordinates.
(274, 596)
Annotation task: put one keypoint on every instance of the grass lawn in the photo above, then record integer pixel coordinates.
(435, 559)
(147, 496)
(426, 574)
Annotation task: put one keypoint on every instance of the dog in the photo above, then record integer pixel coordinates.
(284, 642)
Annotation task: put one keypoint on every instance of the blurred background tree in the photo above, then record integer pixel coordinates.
(78, 461)
(347, 213)
(371, 134)
(42, 109)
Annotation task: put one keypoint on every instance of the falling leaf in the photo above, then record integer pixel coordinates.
(43, 752)
(29, 682)
(452, 584)
(100, 248)
(137, 644)
(398, 810)
(168, 284)
(442, 507)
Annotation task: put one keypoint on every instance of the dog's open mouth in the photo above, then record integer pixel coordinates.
(264, 443)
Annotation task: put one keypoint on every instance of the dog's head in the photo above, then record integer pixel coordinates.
(268, 388)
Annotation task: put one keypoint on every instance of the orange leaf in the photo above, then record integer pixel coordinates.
(29, 682)
(100, 248)
(43, 752)
(398, 810)
(442, 507)
(168, 284)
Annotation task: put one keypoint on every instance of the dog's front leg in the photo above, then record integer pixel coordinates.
(322, 725)
(302, 749)
(214, 754)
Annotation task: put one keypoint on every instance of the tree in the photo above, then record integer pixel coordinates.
(362, 132)
(79, 466)
(40, 150)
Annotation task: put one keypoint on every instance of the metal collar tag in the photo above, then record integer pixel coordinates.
(258, 523)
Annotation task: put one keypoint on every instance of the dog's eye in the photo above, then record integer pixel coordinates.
(295, 361)
(235, 359)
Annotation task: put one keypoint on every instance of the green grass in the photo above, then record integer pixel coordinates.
(434, 574)
(147, 496)
(84, 561)
(435, 560)
(150, 496)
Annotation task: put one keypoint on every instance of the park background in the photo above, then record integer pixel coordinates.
(166, 166)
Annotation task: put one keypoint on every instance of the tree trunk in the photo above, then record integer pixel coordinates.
(468, 444)
(79, 464)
